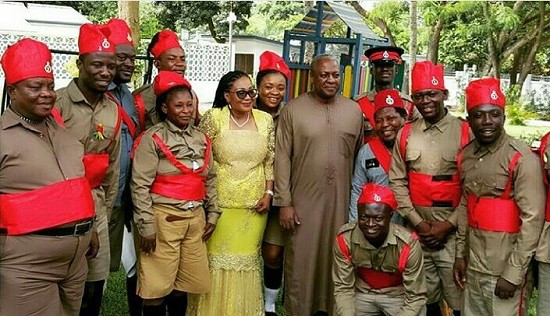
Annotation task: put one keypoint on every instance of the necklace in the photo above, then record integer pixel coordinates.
(237, 123)
(28, 120)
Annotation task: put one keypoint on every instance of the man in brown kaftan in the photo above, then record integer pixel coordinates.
(318, 136)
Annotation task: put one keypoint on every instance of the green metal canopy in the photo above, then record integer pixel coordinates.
(333, 11)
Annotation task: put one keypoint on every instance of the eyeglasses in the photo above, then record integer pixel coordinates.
(241, 94)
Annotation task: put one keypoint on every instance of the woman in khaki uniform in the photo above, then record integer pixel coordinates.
(172, 186)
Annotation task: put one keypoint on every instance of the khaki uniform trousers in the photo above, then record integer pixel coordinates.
(379, 304)
(42, 275)
(116, 233)
(180, 261)
(438, 266)
(480, 298)
(98, 267)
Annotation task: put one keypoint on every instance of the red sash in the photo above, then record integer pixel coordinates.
(410, 109)
(141, 112)
(499, 214)
(50, 206)
(187, 186)
(543, 146)
(374, 278)
(381, 153)
(95, 164)
(438, 190)
(124, 115)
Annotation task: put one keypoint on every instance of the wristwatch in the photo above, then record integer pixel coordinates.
(269, 192)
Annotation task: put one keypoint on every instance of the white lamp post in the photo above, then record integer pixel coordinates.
(231, 18)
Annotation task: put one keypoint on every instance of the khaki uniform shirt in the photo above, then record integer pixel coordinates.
(485, 174)
(431, 149)
(82, 122)
(29, 160)
(543, 251)
(187, 145)
(385, 258)
(150, 100)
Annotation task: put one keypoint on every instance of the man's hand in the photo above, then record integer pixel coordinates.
(263, 204)
(505, 289)
(288, 218)
(459, 273)
(208, 230)
(436, 238)
(93, 248)
(423, 227)
(148, 244)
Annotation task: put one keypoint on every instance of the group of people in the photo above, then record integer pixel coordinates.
(388, 205)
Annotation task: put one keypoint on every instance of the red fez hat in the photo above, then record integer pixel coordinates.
(26, 59)
(94, 39)
(166, 80)
(375, 193)
(166, 40)
(427, 75)
(271, 61)
(120, 32)
(484, 91)
(384, 54)
(389, 98)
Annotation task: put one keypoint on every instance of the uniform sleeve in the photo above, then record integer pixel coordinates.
(414, 283)
(529, 196)
(462, 227)
(343, 276)
(270, 156)
(358, 181)
(144, 170)
(211, 199)
(283, 150)
(113, 172)
(399, 181)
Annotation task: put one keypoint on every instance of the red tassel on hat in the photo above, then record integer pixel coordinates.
(26, 59)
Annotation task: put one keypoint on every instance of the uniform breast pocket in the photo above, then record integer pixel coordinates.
(412, 156)
(346, 143)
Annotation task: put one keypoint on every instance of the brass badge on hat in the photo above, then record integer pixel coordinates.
(435, 82)
(105, 43)
(494, 95)
(129, 37)
(389, 100)
(278, 66)
(48, 67)
(377, 197)
(545, 158)
(385, 54)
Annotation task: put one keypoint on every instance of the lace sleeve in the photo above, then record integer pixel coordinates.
(270, 156)
(209, 124)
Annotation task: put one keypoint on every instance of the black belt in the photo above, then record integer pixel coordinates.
(79, 229)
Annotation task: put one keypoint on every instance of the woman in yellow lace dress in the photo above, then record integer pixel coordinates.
(243, 148)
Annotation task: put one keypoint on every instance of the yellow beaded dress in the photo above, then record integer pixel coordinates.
(244, 162)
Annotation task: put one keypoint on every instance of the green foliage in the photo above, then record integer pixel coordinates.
(271, 19)
(204, 15)
(516, 112)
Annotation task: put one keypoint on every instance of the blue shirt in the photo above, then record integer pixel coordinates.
(125, 98)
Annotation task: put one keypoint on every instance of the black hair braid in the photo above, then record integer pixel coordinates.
(223, 86)
(149, 72)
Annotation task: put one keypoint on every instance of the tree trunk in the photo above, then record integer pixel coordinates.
(527, 65)
(412, 40)
(433, 47)
(381, 24)
(129, 11)
(494, 56)
(516, 63)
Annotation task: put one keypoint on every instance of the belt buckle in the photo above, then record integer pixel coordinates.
(82, 228)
